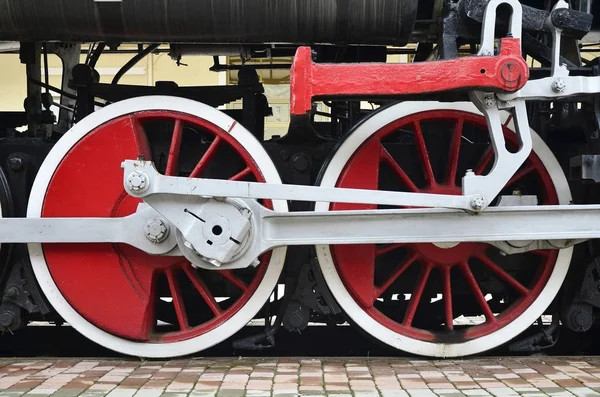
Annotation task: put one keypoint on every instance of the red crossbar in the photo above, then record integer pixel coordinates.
(507, 71)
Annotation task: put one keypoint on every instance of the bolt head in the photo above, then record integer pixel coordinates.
(559, 85)
(581, 320)
(137, 181)
(285, 154)
(300, 163)
(156, 230)
(477, 203)
(11, 293)
(7, 318)
(589, 161)
(15, 163)
(489, 101)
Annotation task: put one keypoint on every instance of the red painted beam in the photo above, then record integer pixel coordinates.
(507, 71)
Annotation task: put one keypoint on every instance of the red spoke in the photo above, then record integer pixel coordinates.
(173, 159)
(454, 152)
(489, 315)
(508, 119)
(502, 274)
(544, 253)
(521, 174)
(387, 158)
(206, 158)
(394, 276)
(141, 139)
(242, 174)
(485, 160)
(447, 296)
(424, 156)
(228, 275)
(415, 298)
(177, 299)
(389, 248)
(203, 290)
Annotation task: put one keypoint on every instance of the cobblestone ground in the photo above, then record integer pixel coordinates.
(255, 377)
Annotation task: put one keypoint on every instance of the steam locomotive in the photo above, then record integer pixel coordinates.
(446, 205)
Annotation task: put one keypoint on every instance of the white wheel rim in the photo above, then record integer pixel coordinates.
(412, 345)
(49, 287)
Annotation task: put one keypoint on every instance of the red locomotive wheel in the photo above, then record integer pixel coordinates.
(151, 301)
(439, 299)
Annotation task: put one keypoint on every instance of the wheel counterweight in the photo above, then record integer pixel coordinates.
(447, 299)
(118, 296)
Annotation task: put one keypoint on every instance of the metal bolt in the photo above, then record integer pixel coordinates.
(11, 293)
(15, 163)
(589, 160)
(469, 172)
(558, 85)
(510, 74)
(7, 319)
(477, 203)
(489, 101)
(588, 294)
(137, 181)
(300, 162)
(581, 320)
(156, 230)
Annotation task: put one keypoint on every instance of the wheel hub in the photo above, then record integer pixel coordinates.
(216, 233)
(446, 245)
(449, 255)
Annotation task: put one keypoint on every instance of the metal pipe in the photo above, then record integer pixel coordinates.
(131, 63)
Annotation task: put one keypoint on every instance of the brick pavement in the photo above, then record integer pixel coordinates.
(287, 377)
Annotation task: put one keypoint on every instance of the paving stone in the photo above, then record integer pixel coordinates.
(287, 377)
(394, 393)
(583, 391)
(230, 393)
(475, 392)
(148, 393)
(199, 393)
(70, 392)
(122, 392)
